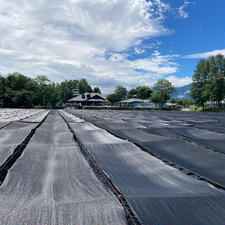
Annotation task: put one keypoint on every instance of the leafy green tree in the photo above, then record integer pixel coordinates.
(24, 99)
(156, 98)
(121, 92)
(2, 90)
(142, 92)
(209, 81)
(113, 98)
(97, 90)
(83, 86)
(16, 87)
(163, 89)
(42, 80)
(67, 89)
(17, 90)
(132, 93)
(217, 78)
(199, 91)
(50, 96)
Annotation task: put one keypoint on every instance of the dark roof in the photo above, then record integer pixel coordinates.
(87, 97)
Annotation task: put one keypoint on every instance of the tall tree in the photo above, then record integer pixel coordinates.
(2, 90)
(42, 87)
(42, 79)
(209, 81)
(199, 86)
(163, 91)
(67, 89)
(217, 78)
(113, 98)
(133, 92)
(156, 98)
(16, 88)
(97, 90)
(83, 86)
(121, 92)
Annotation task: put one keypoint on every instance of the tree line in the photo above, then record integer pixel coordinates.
(208, 85)
(20, 91)
(163, 89)
(208, 81)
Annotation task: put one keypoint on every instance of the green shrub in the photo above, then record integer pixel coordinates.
(196, 109)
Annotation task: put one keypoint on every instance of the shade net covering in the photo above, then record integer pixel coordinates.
(209, 139)
(9, 115)
(167, 142)
(37, 117)
(208, 121)
(52, 183)
(156, 192)
(3, 124)
(11, 136)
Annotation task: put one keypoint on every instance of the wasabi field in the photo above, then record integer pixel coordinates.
(111, 167)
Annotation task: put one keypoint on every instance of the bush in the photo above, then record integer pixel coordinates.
(196, 109)
(200, 109)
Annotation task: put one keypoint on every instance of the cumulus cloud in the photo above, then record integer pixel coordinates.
(205, 54)
(72, 39)
(179, 81)
(157, 64)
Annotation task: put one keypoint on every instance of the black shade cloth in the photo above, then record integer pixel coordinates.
(156, 192)
(51, 183)
(11, 136)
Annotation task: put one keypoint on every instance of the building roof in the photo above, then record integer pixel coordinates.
(133, 100)
(171, 104)
(86, 97)
(96, 100)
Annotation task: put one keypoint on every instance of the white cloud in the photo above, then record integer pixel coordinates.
(116, 57)
(179, 82)
(70, 39)
(153, 45)
(6, 51)
(139, 50)
(182, 13)
(156, 64)
(205, 54)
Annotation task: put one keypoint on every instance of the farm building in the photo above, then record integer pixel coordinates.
(137, 102)
(92, 99)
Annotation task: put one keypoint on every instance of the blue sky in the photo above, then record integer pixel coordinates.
(110, 43)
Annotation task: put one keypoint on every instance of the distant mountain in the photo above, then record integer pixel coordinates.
(182, 92)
